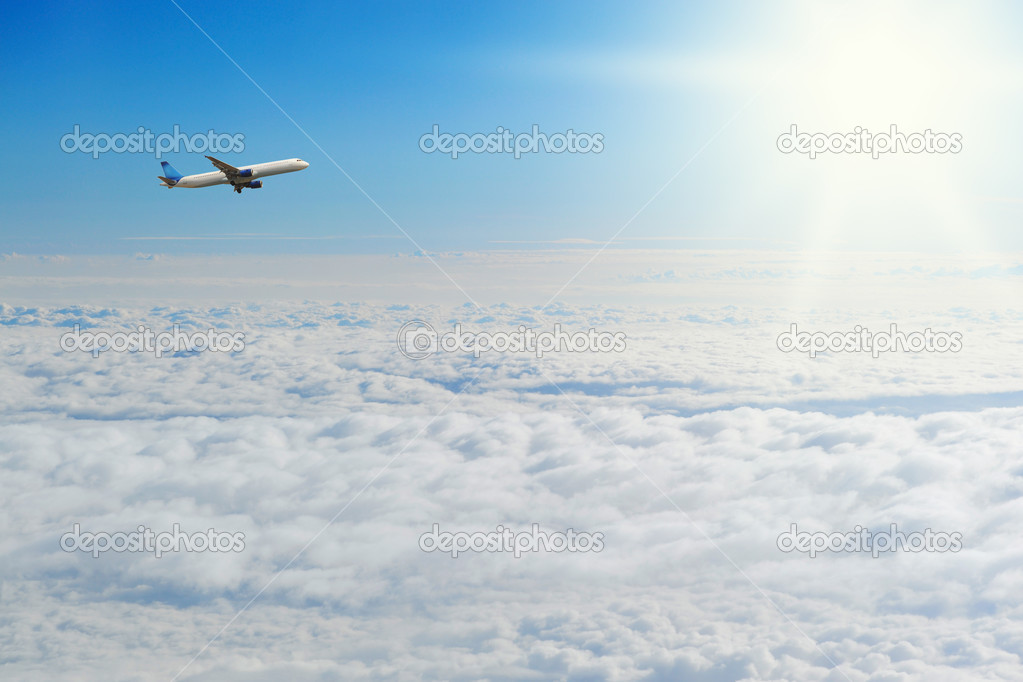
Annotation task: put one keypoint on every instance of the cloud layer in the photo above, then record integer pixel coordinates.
(691, 453)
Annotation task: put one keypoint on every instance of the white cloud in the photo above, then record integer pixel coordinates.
(320, 409)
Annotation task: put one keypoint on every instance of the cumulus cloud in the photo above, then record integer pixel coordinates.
(332, 453)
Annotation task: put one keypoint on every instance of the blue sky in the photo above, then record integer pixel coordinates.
(705, 89)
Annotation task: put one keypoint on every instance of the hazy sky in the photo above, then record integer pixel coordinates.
(703, 90)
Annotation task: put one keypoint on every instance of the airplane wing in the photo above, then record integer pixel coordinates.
(229, 170)
(234, 175)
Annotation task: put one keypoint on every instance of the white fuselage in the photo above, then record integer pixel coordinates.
(259, 170)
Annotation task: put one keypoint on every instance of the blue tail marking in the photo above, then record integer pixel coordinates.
(168, 170)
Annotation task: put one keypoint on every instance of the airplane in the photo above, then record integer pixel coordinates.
(227, 174)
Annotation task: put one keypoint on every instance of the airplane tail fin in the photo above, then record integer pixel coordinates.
(169, 171)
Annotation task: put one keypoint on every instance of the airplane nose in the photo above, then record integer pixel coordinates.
(305, 164)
